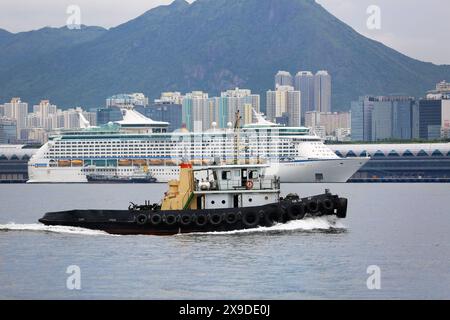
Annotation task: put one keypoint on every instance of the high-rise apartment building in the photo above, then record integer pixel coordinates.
(233, 100)
(283, 78)
(18, 111)
(322, 91)
(304, 82)
(328, 121)
(196, 113)
(285, 102)
(127, 99)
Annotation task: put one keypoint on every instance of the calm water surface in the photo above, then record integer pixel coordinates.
(404, 229)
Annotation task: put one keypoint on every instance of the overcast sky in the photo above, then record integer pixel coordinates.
(418, 28)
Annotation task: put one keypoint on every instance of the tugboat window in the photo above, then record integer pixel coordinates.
(226, 175)
(253, 174)
(223, 201)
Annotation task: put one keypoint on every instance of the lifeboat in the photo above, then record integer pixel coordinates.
(64, 163)
(140, 162)
(156, 162)
(124, 163)
(77, 163)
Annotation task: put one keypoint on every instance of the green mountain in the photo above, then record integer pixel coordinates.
(210, 45)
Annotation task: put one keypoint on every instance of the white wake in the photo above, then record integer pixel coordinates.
(55, 229)
(328, 223)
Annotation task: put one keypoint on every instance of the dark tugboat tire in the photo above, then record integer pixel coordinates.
(296, 212)
(313, 207)
(271, 217)
(201, 220)
(186, 219)
(155, 219)
(328, 205)
(171, 219)
(231, 218)
(141, 219)
(250, 219)
(216, 219)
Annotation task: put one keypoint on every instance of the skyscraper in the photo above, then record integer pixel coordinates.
(322, 91)
(284, 102)
(8, 131)
(382, 118)
(283, 78)
(362, 118)
(17, 110)
(167, 109)
(434, 118)
(233, 100)
(304, 82)
(196, 111)
(43, 111)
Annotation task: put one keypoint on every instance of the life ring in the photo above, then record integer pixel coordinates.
(250, 219)
(171, 219)
(231, 218)
(141, 219)
(249, 185)
(186, 219)
(201, 220)
(296, 212)
(155, 219)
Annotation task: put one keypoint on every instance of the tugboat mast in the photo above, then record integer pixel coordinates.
(237, 127)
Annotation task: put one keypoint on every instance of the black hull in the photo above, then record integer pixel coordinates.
(156, 222)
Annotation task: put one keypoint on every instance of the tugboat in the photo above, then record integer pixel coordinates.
(214, 198)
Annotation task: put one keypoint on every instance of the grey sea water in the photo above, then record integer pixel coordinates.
(403, 229)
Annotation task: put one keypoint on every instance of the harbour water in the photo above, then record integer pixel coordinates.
(402, 229)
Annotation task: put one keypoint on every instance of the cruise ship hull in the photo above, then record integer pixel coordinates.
(302, 171)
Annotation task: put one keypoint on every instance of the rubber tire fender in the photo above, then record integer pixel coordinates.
(141, 219)
(156, 219)
(202, 216)
(216, 219)
(313, 206)
(246, 217)
(186, 219)
(296, 212)
(170, 219)
(231, 218)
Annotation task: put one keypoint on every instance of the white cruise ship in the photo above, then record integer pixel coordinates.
(137, 142)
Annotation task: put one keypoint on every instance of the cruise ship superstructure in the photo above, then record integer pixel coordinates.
(294, 154)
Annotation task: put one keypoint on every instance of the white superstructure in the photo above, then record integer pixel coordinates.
(293, 153)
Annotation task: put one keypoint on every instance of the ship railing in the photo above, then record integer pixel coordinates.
(235, 185)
